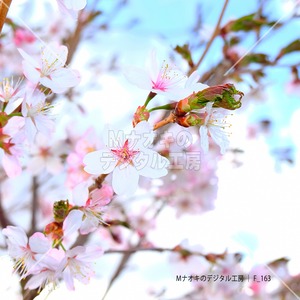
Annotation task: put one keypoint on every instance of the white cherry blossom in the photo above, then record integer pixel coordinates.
(128, 157)
(215, 125)
(49, 70)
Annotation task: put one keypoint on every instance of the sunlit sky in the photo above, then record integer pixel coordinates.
(258, 206)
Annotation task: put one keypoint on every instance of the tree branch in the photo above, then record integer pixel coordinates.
(214, 35)
(4, 7)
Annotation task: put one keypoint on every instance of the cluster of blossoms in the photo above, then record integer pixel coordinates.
(120, 162)
(25, 110)
(43, 255)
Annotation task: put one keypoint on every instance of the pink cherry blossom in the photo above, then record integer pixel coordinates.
(77, 264)
(23, 250)
(11, 149)
(159, 78)
(49, 70)
(23, 36)
(127, 157)
(48, 272)
(88, 213)
(215, 125)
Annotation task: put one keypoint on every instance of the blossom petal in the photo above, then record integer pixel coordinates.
(80, 194)
(28, 58)
(61, 80)
(72, 222)
(220, 137)
(90, 254)
(138, 77)
(204, 138)
(125, 180)
(39, 243)
(99, 162)
(16, 235)
(143, 135)
(151, 164)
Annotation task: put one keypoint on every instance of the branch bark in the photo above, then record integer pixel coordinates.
(4, 7)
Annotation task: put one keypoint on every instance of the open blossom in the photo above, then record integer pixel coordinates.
(162, 78)
(35, 110)
(48, 272)
(128, 157)
(45, 154)
(24, 250)
(11, 95)
(214, 125)
(11, 149)
(49, 70)
(88, 215)
(78, 263)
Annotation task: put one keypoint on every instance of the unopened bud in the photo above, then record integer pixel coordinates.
(183, 107)
(189, 120)
(60, 210)
(141, 114)
(55, 231)
(225, 96)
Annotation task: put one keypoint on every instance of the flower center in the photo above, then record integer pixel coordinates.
(124, 154)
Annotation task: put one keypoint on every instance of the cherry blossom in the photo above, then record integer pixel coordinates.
(23, 250)
(11, 149)
(35, 110)
(49, 70)
(88, 213)
(77, 264)
(48, 272)
(23, 36)
(45, 155)
(10, 94)
(127, 157)
(214, 125)
(159, 78)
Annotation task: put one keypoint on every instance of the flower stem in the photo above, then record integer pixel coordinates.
(149, 98)
(169, 119)
(166, 107)
(4, 7)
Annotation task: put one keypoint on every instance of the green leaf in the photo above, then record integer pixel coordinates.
(292, 47)
(258, 58)
(247, 23)
(185, 52)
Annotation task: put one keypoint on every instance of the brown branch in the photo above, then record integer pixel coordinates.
(3, 219)
(127, 255)
(4, 7)
(34, 204)
(169, 119)
(214, 35)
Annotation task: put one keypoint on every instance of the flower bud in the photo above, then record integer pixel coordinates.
(224, 95)
(60, 210)
(3, 119)
(183, 107)
(189, 120)
(140, 115)
(55, 231)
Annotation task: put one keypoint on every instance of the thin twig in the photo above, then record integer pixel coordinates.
(3, 218)
(214, 35)
(34, 204)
